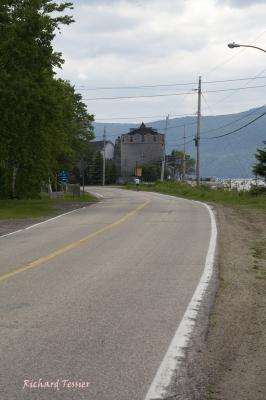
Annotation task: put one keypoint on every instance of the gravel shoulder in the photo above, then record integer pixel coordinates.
(234, 358)
(227, 352)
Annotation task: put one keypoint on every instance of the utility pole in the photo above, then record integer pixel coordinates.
(164, 149)
(184, 154)
(83, 175)
(104, 139)
(197, 139)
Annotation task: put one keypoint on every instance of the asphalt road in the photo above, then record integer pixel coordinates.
(96, 296)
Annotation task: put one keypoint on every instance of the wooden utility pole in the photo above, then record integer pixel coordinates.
(197, 139)
(164, 149)
(184, 154)
(104, 139)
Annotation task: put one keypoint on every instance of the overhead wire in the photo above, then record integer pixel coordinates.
(236, 130)
(236, 160)
(172, 94)
(235, 91)
(235, 54)
(234, 121)
(167, 85)
(137, 97)
(140, 117)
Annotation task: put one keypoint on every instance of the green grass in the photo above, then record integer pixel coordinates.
(204, 193)
(33, 208)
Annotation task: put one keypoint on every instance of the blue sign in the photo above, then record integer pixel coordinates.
(63, 176)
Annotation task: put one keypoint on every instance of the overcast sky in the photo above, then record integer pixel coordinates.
(117, 43)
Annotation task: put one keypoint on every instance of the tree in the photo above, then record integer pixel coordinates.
(97, 168)
(71, 129)
(150, 172)
(44, 124)
(111, 172)
(260, 167)
(176, 163)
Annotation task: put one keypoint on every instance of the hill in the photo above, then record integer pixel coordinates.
(229, 156)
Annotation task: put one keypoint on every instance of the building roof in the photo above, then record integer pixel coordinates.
(142, 130)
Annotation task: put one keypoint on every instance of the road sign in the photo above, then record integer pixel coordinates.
(138, 171)
(63, 176)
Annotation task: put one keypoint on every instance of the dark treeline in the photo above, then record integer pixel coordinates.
(44, 125)
(90, 169)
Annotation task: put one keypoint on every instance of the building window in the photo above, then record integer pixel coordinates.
(142, 138)
(154, 138)
(131, 139)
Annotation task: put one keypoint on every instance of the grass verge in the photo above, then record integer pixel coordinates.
(204, 193)
(33, 208)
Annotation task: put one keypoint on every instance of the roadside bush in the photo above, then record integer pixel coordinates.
(257, 190)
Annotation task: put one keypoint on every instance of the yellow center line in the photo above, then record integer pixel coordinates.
(72, 245)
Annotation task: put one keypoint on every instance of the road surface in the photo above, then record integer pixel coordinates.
(95, 297)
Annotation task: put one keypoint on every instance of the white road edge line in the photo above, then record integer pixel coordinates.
(98, 194)
(175, 352)
(43, 222)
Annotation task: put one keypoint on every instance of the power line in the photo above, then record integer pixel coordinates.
(172, 94)
(235, 80)
(217, 128)
(140, 117)
(167, 85)
(135, 87)
(180, 145)
(182, 125)
(238, 129)
(138, 97)
(235, 54)
(233, 122)
(234, 89)
(233, 93)
(128, 118)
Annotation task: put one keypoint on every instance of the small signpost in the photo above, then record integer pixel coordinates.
(63, 177)
(138, 172)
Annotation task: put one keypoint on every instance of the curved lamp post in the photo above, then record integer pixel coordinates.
(233, 45)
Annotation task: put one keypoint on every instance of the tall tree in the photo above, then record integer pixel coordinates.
(97, 168)
(44, 124)
(176, 162)
(150, 172)
(111, 172)
(260, 167)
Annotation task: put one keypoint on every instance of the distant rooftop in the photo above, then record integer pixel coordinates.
(143, 130)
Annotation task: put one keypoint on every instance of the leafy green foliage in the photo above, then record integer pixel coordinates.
(33, 208)
(150, 172)
(97, 168)
(260, 167)
(204, 193)
(44, 124)
(111, 172)
(180, 163)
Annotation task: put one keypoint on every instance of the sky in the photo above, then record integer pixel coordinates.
(124, 44)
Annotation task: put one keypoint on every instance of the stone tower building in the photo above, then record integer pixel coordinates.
(140, 146)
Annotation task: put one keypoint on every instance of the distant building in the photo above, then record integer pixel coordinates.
(98, 145)
(140, 146)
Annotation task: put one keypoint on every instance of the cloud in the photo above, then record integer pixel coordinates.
(134, 42)
(241, 3)
(126, 29)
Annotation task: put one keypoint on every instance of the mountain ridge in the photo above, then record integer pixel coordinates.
(230, 156)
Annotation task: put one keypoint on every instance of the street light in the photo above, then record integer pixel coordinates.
(233, 45)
